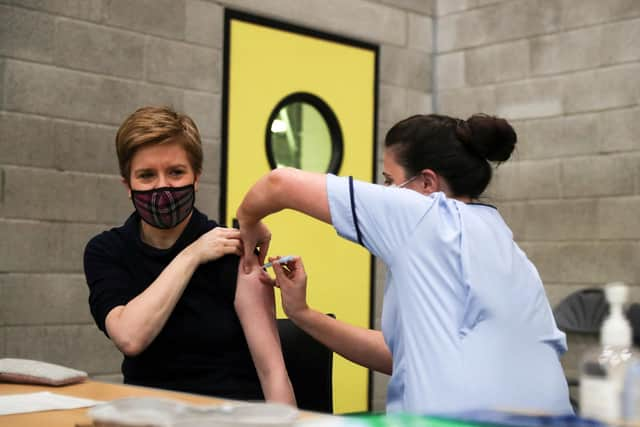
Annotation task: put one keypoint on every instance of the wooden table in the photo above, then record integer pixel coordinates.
(91, 390)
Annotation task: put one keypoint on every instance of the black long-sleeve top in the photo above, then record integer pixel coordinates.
(202, 348)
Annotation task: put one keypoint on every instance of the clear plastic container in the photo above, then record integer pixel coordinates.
(601, 382)
(603, 369)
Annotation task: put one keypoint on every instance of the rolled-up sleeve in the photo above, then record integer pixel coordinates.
(377, 217)
(109, 283)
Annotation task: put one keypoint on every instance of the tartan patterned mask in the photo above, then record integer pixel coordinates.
(164, 207)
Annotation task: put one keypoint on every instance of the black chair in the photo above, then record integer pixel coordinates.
(581, 314)
(310, 367)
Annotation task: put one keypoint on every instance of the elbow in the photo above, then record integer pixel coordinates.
(129, 346)
(277, 179)
(387, 363)
(383, 362)
(264, 197)
(387, 366)
(381, 368)
(130, 350)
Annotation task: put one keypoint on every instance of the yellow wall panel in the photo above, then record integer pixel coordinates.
(265, 64)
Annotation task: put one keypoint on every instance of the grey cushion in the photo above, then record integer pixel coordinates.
(27, 371)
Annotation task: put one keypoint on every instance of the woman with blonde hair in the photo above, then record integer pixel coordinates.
(165, 287)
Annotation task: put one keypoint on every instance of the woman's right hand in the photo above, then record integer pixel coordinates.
(217, 243)
(254, 236)
(292, 281)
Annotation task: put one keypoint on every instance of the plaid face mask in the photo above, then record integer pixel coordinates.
(164, 207)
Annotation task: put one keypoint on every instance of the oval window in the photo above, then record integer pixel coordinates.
(303, 132)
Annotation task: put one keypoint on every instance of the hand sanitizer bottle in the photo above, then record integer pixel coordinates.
(602, 372)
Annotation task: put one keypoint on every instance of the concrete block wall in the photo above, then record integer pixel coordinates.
(71, 71)
(565, 73)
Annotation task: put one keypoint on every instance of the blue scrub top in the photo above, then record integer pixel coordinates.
(465, 314)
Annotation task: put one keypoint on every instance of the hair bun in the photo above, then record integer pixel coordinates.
(490, 137)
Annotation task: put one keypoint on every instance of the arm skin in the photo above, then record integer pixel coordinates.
(363, 346)
(360, 345)
(306, 192)
(282, 188)
(255, 306)
(132, 327)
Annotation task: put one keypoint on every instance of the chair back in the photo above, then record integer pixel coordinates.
(580, 316)
(310, 367)
(582, 311)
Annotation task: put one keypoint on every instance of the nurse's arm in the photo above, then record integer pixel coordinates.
(363, 346)
(282, 188)
(286, 188)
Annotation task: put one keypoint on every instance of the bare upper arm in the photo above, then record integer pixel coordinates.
(302, 191)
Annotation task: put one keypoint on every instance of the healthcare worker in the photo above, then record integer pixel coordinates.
(466, 324)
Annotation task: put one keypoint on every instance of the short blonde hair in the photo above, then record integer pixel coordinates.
(157, 125)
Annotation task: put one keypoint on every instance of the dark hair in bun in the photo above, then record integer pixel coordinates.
(458, 150)
(490, 137)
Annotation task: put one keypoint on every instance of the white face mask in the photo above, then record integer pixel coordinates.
(404, 183)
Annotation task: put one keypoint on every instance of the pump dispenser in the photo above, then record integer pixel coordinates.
(616, 330)
(602, 371)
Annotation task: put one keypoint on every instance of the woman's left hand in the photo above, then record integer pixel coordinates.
(217, 243)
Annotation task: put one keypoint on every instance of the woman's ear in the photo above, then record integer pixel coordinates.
(195, 182)
(431, 182)
(127, 186)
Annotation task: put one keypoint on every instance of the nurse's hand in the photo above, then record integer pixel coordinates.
(291, 278)
(254, 235)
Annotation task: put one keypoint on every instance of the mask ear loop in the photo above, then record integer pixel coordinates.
(406, 182)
